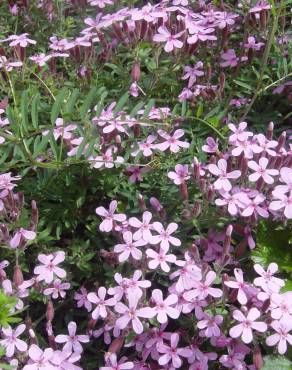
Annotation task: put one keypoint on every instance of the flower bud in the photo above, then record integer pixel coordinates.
(116, 345)
(196, 165)
(222, 79)
(17, 276)
(136, 72)
(34, 215)
(270, 130)
(184, 191)
(281, 141)
(50, 313)
(141, 202)
(197, 209)
(258, 358)
(227, 240)
(156, 204)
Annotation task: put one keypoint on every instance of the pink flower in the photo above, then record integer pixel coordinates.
(11, 341)
(267, 278)
(40, 59)
(72, 340)
(38, 359)
(239, 133)
(253, 207)
(164, 237)
(100, 3)
(136, 173)
(134, 286)
(200, 33)
(113, 364)
(240, 285)
(233, 201)
(146, 146)
(282, 336)
(172, 142)
(49, 267)
(264, 145)
(6, 181)
(21, 40)
(61, 130)
(211, 146)
(229, 59)
(105, 160)
(164, 308)
(191, 73)
(99, 300)
(210, 324)
(109, 216)
(57, 289)
(143, 227)
(285, 177)
(173, 353)
(247, 324)
(65, 360)
(172, 41)
(8, 66)
(284, 201)
(20, 236)
(82, 300)
(129, 248)
(220, 170)
(244, 147)
(132, 314)
(189, 274)
(252, 44)
(160, 259)
(281, 306)
(261, 171)
(180, 175)
(203, 288)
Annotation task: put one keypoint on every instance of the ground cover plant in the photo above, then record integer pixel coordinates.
(145, 185)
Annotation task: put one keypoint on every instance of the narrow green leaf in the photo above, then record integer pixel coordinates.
(90, 148)
(72, 101)
(87, 102)
(148, 108)
(81, 148)
(136, 108)
(58, 105)
(243, 84)
(34, 111)
(183, 108)
(24, 111)
(121, 103)
(53, 144)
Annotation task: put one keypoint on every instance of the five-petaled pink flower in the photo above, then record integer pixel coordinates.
(173, 353)
(164, 307)
(39, 359)
(247, 324)
(283, 201)
(180, 175)
(240, 285)
(100, 302)
(143, 227)
(267, 279)
(164, 237)
(220, 170)
(210, 324)
(11, 341)
(72, 341)
(57, 289)
(113, 364)
(132, 314)
(261, 171)
(82, 299)
(160, 258)
(172, 41)
(109, 216)
(171, 141)
(50, 267)
(203, 288)
(129, 248)
(282, 336)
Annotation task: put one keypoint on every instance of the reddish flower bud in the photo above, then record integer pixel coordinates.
(141, 202)
(184, 191)
(136, 72)
(116, 345)
(17, 276)
(50, 313)
(258, 358)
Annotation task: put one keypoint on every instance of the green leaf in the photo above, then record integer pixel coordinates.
(136, 108)
(276, 363)
(81, 148)
(58, 105)
(183, 108)
(34, 111)
(148, 108)
(88, 102)
(72, 101)
(121, 103)
(243, 84)
(24, 111)
(273, 245)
